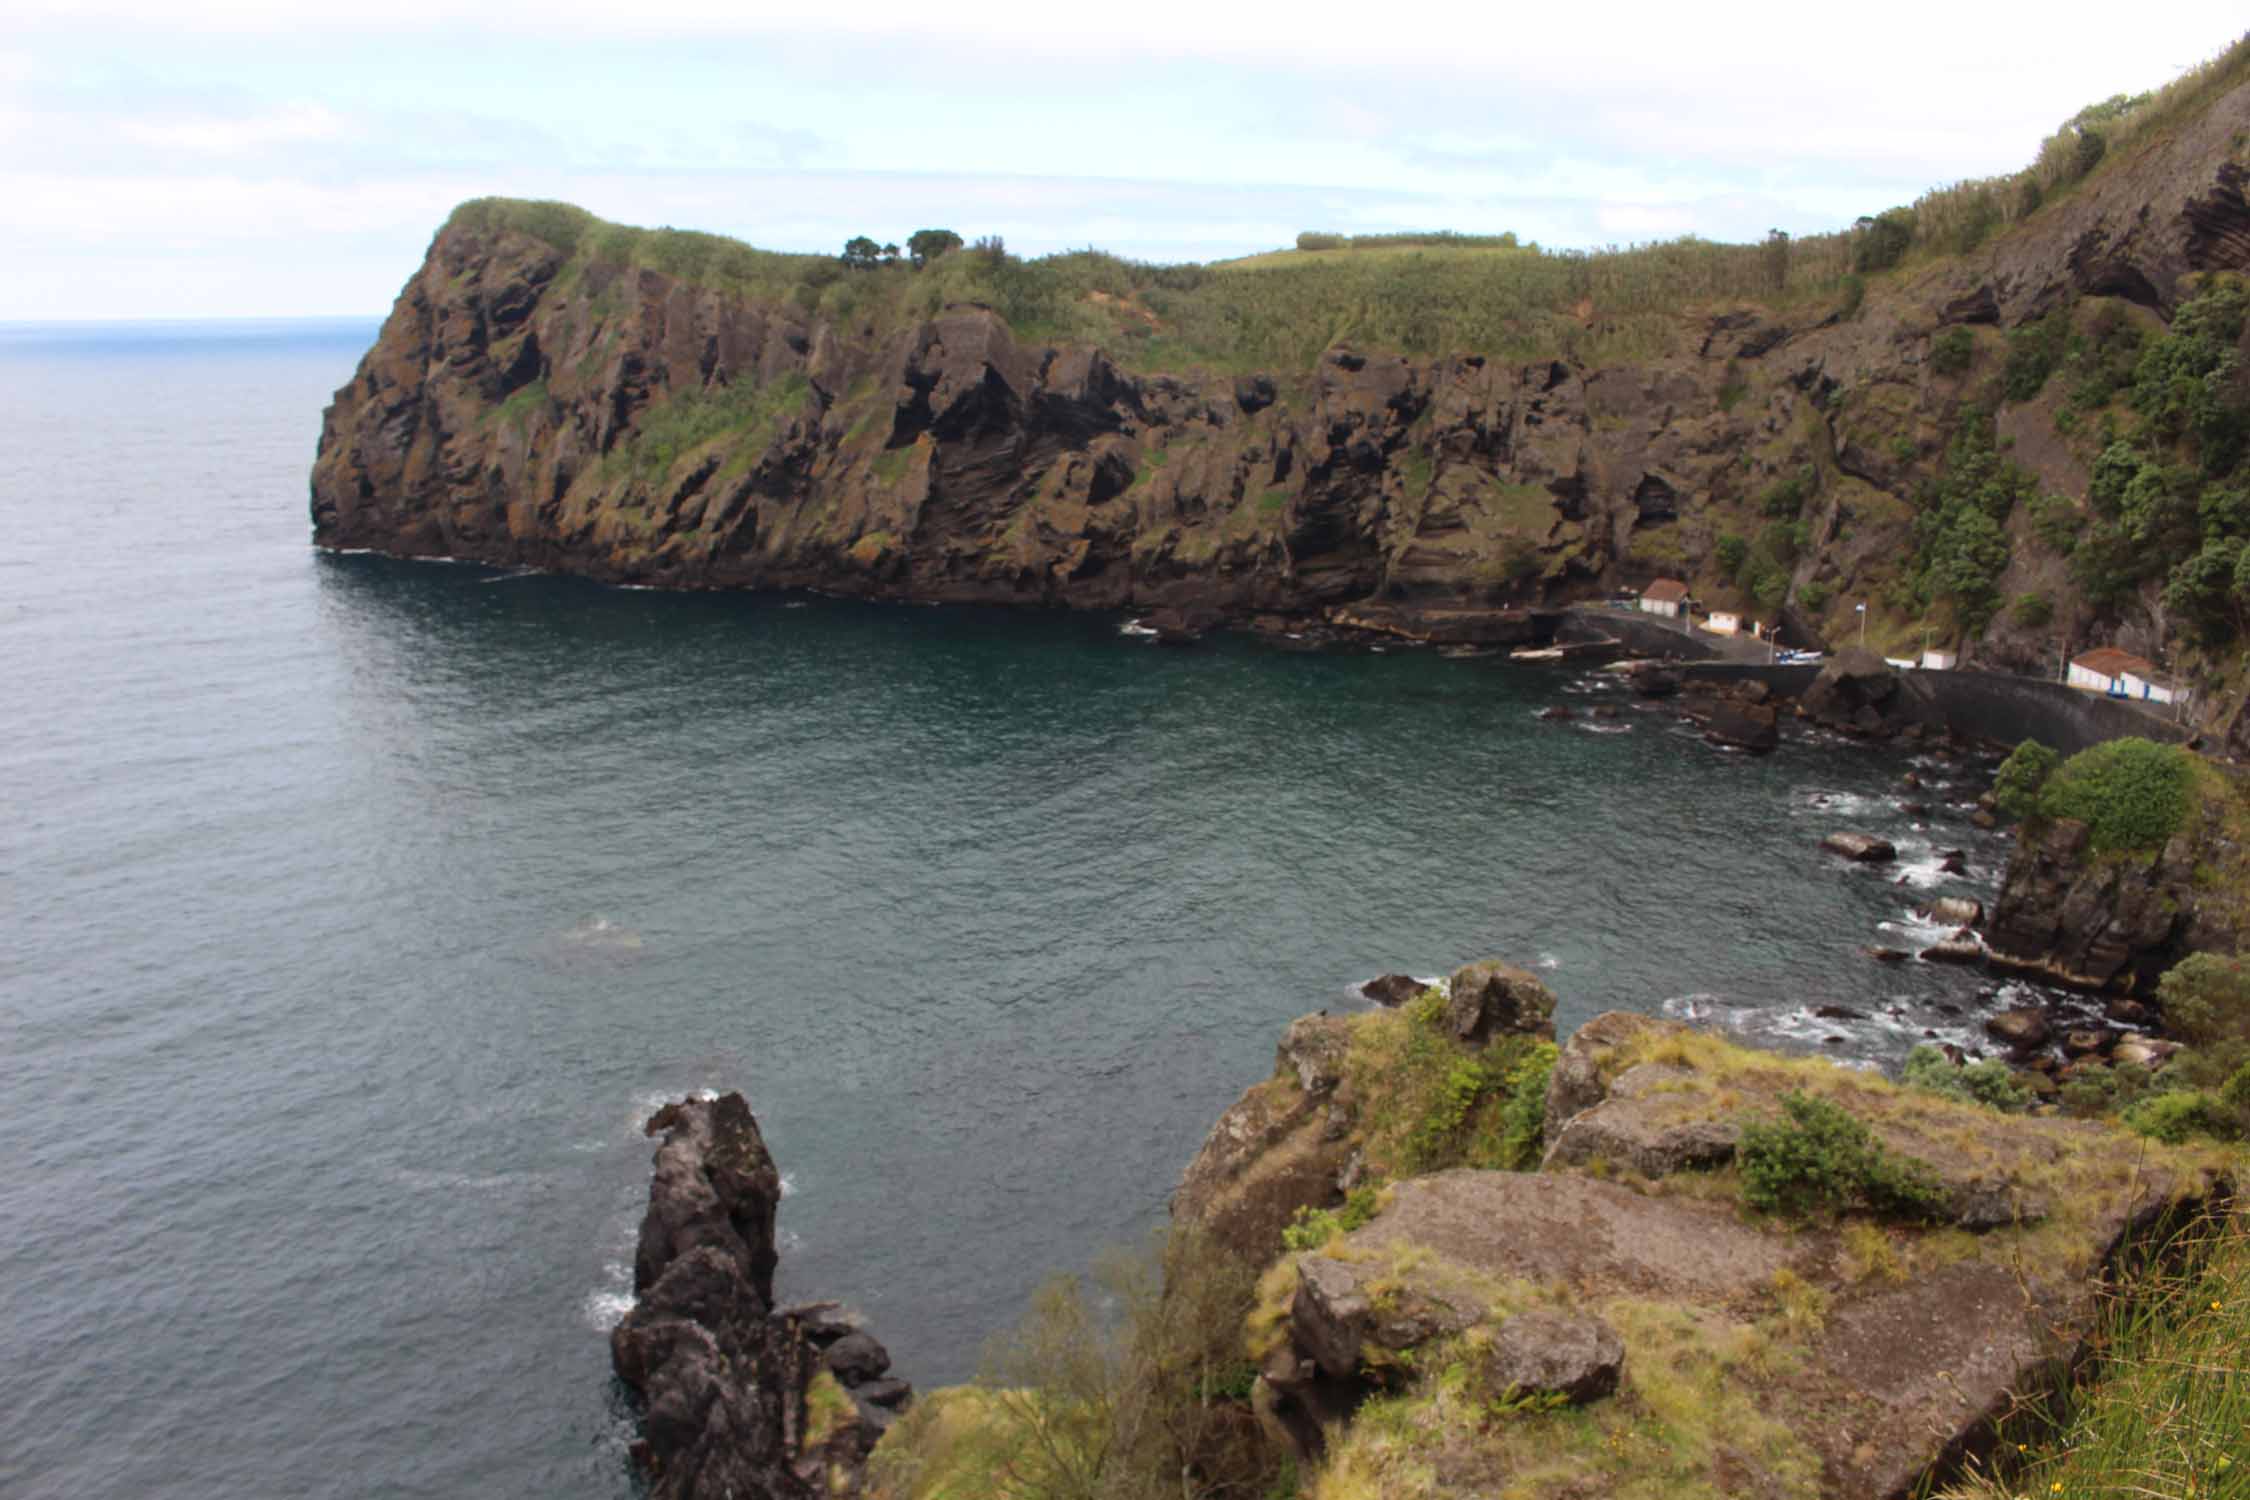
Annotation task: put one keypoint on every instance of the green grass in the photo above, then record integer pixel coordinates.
(687, 420)
(2165, 1408)
(1419, 293)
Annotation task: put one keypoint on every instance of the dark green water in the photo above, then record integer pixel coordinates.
(362, 909)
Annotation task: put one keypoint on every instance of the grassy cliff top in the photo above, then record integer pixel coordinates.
(1419, 294)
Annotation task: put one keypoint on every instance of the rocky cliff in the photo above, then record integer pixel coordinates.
(739, 1399)
(554, 400)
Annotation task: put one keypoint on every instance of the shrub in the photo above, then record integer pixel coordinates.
(1990, 1083)
(1880, 242)
(1731, 552)
(2032, 610)
(1075, 1404)
(1785, 499)
(1823, 1159)
(1523, 1118)
(2176, 1116)
(1951, 351)
(2021, 778)
(2034, 351)
(1315, 1227)
(2093, 1092)
(2132, 794)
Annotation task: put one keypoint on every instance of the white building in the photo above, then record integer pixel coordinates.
(1667, 597)
(1938, 661)
(1723, 622)
(2152, 686)
(2121, 674)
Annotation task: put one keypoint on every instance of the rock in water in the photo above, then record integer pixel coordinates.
(2022, 1028)
(1392, 989)
(724, 1381)
(1863, 848)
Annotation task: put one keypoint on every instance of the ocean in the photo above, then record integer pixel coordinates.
(359, 911)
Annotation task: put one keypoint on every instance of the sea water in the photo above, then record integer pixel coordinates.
(358, 912)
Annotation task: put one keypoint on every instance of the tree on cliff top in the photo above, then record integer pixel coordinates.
(926, 245)
(861, 253)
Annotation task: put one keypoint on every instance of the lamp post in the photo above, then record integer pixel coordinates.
(1863, 622)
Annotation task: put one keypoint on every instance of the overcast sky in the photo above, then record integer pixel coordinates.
(244, 158)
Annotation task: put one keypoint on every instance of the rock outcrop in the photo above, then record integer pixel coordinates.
(2114, 922)
(738, 1399)
(1296, 1141)
(1850, 1358)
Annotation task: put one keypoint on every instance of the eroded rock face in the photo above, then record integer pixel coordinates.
(721, 1376)
(2112, 923)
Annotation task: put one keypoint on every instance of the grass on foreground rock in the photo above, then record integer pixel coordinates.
(2165, 1410)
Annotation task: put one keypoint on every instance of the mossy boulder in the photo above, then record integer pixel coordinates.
(1759, 1353)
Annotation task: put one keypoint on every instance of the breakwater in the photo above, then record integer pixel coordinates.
(1989, 706)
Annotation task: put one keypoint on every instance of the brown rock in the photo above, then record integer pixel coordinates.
(2021, 1028)
(1551, 1352)
(1862, 848)
(1392, 989)
(1490, 997)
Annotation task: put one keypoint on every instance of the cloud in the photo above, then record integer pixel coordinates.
(259, 129)
(223, 135)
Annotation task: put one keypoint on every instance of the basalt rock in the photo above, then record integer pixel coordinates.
(1857, 693)
(722, 1377)
(1490, 997)
(2114, 922)
(1392, 989)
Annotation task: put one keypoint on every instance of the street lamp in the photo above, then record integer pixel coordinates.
(1862, 622)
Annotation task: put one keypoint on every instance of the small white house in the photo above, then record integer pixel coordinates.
(1938, 661)
(2105, 669)
(1723, 622)
(2151, 686)
(1667, 597)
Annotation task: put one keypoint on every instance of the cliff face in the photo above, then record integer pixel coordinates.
(534, 404)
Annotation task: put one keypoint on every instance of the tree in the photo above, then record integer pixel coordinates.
(890, 255)
(1776, 254)
(861, 253)
(926, 245)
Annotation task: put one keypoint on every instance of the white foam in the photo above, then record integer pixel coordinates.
(796, 604)
(647, 1104)
(1135, 628)
(788, 1184)
(1547, 961)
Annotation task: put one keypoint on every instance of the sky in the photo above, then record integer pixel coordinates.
(256, 158)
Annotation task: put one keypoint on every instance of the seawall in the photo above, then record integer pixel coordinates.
(1989, 706)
